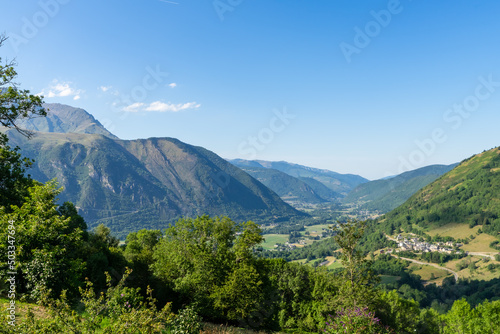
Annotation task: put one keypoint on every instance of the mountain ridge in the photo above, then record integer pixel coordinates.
(115, 182)
(340, 183)
(143, 183)
(468, 194)
(62, 118)
(386, 194)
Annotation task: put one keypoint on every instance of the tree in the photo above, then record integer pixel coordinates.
(463, 319)
(103, 255)
(140, 245)
(68, 209)
(400, 314)
(458, 319)
(13, 182)
(209, 262)
(48, 249)
(139, 252)
(16, 104)
(356, 280)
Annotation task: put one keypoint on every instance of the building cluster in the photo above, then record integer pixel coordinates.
(414, 244)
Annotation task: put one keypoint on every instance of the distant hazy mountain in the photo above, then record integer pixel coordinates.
(340, 183)
(386, 194)
(320, 189)
(62, 118)
(289, 188)
(469, 194)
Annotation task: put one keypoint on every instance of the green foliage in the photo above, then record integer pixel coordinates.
(101, 255)
(109, 312)
(296, 296)
(355, 320)
(186, 321)
(357, 278)
(485, 318)
(210, 263)
(48, 247)
(402, 315)
(16, 104)
(13, 182)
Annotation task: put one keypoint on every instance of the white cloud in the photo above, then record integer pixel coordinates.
(161, 106)
(172, 85)
(135, 107)
(104, 89)
(61, 89)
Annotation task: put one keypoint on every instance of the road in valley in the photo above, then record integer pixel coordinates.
(428, 264)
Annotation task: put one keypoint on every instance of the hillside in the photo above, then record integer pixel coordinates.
(387, 194)
(129, 185)
(468, 194)
(62, 118)
(340, 183)
(320, 189)
(289, 188)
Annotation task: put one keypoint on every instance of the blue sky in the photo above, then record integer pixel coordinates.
(366, 87)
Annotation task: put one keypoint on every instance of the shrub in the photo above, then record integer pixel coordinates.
(355, 320)
(186, 322)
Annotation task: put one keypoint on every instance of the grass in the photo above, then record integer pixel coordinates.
(317, 228)
(273, 239)
(22, 309)
(334, 262)
(300, 261)
(386, 279)
(427, 272)
(454, 230)
(481, 272)
(481, 243)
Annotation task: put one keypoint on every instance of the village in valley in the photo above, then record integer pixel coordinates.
(418, 245)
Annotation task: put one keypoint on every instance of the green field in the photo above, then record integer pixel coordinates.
(334, 265)
(273, 239)
(457, 231)
(480, 273)
(481, 243)
(316, 229)
(302, 261)
(429, 273)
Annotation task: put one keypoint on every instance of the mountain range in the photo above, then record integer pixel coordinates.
(293, 190)
(387, 194)
(342, 184)
(145, 183)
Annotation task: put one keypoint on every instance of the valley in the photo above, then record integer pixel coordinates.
(253, 167)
